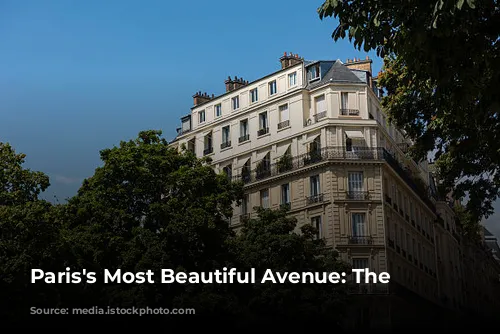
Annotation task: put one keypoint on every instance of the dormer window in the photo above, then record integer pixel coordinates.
(313, 72)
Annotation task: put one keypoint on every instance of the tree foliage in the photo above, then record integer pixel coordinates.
(441, 76)
(150, 207)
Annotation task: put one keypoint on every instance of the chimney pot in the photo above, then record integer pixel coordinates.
(284, 53)
(367, 58)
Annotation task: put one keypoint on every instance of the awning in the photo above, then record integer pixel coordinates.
(261, 155)
(354, 134)
(280, 151)
(241, 163)
(310, 139)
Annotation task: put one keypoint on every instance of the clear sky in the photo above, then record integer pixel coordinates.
(79, 76)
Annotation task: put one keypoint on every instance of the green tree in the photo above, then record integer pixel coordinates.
(441, 76)
(152, 207)
(272, 241)
(29, 237)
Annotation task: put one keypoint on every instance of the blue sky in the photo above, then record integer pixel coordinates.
(79, 76)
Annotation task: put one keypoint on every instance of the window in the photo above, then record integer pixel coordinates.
(263, 120)
(407, 242)
(285, 194)
(244, 134)
(410, 244)
(344, 101)
(228, 170)
(272, 88)
(235, 102)
(284, 115)
(253, 95)
(355, 182)
(316, 223)
(201, 116)
(244, 204)
(207, 142)
(320, 104)
(264, 198)
(313, 72)
(218, 110)
(226, 135)
(414, 244)
(358, 224)
(360, 263)
(292, 79)
(315, 189)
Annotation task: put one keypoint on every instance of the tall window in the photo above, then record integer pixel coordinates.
(264, 198)
(292, 79)
(244, 204)
(344, 101)
(228, 170)
(360, 263)
(358, 224)
(235, 102)
(285, 194)
(355, 182)
(263, 121)
(244, 134)
(283, 109)
(315, 186)
(272, 88)
(201, 116)
(316, 223)
(320, 103)
(226, 136)
(218, 110)
(208, 142)
(254, 95)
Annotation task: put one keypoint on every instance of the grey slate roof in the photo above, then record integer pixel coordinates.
(337, 72)
(487, 233)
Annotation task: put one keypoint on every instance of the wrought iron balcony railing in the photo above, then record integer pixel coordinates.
(349, 112)
(319, 116)
(358, 195)
(225, 144)
(318, 198)
(262, 131)
(360, 240)
(208, 150)
(341, 153)
(284, 124)
(244, 138)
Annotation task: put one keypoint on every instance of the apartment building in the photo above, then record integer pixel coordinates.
(312, 137)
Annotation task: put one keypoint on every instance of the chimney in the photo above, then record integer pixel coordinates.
(233, 84)
(359, 64)
(200, 98)
(290, 59)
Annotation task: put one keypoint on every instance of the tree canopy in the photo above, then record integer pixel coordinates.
(151, 207)
(441, 76)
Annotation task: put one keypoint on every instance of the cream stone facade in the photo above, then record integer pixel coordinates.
(312, 137)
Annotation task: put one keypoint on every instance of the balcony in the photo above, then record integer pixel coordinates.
(263, 131)
(319, 116)
(208, 150)
(225, 145)
(314, 199)
(349, 112)
(283, 124)
(341, 154)
(244, 138)
(358, 195)
(359, 240)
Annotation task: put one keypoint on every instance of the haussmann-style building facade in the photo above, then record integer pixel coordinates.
(312, 136)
